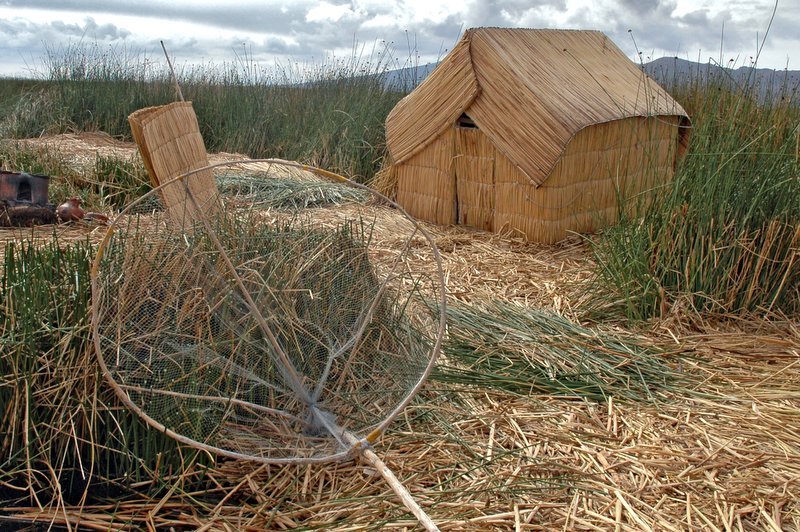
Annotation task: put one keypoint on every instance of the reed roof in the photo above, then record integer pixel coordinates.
(529, 90)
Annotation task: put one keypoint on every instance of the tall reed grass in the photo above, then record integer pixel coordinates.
(723, 237)
(329, 114)
(62, 430)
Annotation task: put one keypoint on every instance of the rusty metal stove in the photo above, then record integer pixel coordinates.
(24, 199)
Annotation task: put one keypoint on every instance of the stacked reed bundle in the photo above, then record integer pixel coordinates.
(171, 146)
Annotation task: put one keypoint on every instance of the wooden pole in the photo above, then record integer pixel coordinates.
(398, 488)
(172, 71)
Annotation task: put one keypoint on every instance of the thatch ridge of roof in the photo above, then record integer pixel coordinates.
(534, 89)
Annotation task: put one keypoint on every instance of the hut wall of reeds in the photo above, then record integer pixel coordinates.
(534, 131)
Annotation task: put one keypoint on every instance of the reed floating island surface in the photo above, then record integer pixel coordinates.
(640, 379)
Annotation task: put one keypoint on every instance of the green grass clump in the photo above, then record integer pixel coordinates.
(62, 431)
(723, 237)
(523, 350)
(329, 117)
(35, 161)
(118, 182)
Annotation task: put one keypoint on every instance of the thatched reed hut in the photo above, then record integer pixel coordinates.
(534, 131)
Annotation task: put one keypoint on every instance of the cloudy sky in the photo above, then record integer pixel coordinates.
(312, 31)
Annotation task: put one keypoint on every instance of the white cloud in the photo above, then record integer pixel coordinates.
(290, 30)
(326, 12)
(379, 22)
(431, 10)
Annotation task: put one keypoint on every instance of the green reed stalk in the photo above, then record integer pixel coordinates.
(724, 237)
(63, 431)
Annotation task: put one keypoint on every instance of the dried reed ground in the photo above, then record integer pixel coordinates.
(726, 457)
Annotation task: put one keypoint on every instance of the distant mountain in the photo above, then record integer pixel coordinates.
(407, 78)
(671, 70)
(665, 70)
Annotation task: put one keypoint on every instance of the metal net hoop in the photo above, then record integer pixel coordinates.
(265, 330)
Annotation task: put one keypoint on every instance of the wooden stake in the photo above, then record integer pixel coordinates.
(172, 71)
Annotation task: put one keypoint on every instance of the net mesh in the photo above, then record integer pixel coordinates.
(282, 326)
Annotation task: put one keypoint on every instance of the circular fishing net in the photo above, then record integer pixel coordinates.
(277, 316)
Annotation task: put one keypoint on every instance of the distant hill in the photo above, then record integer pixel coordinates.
(670, 70)
(407, 78)
(665, 70)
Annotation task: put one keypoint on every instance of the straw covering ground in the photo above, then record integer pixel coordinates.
(572, 425)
